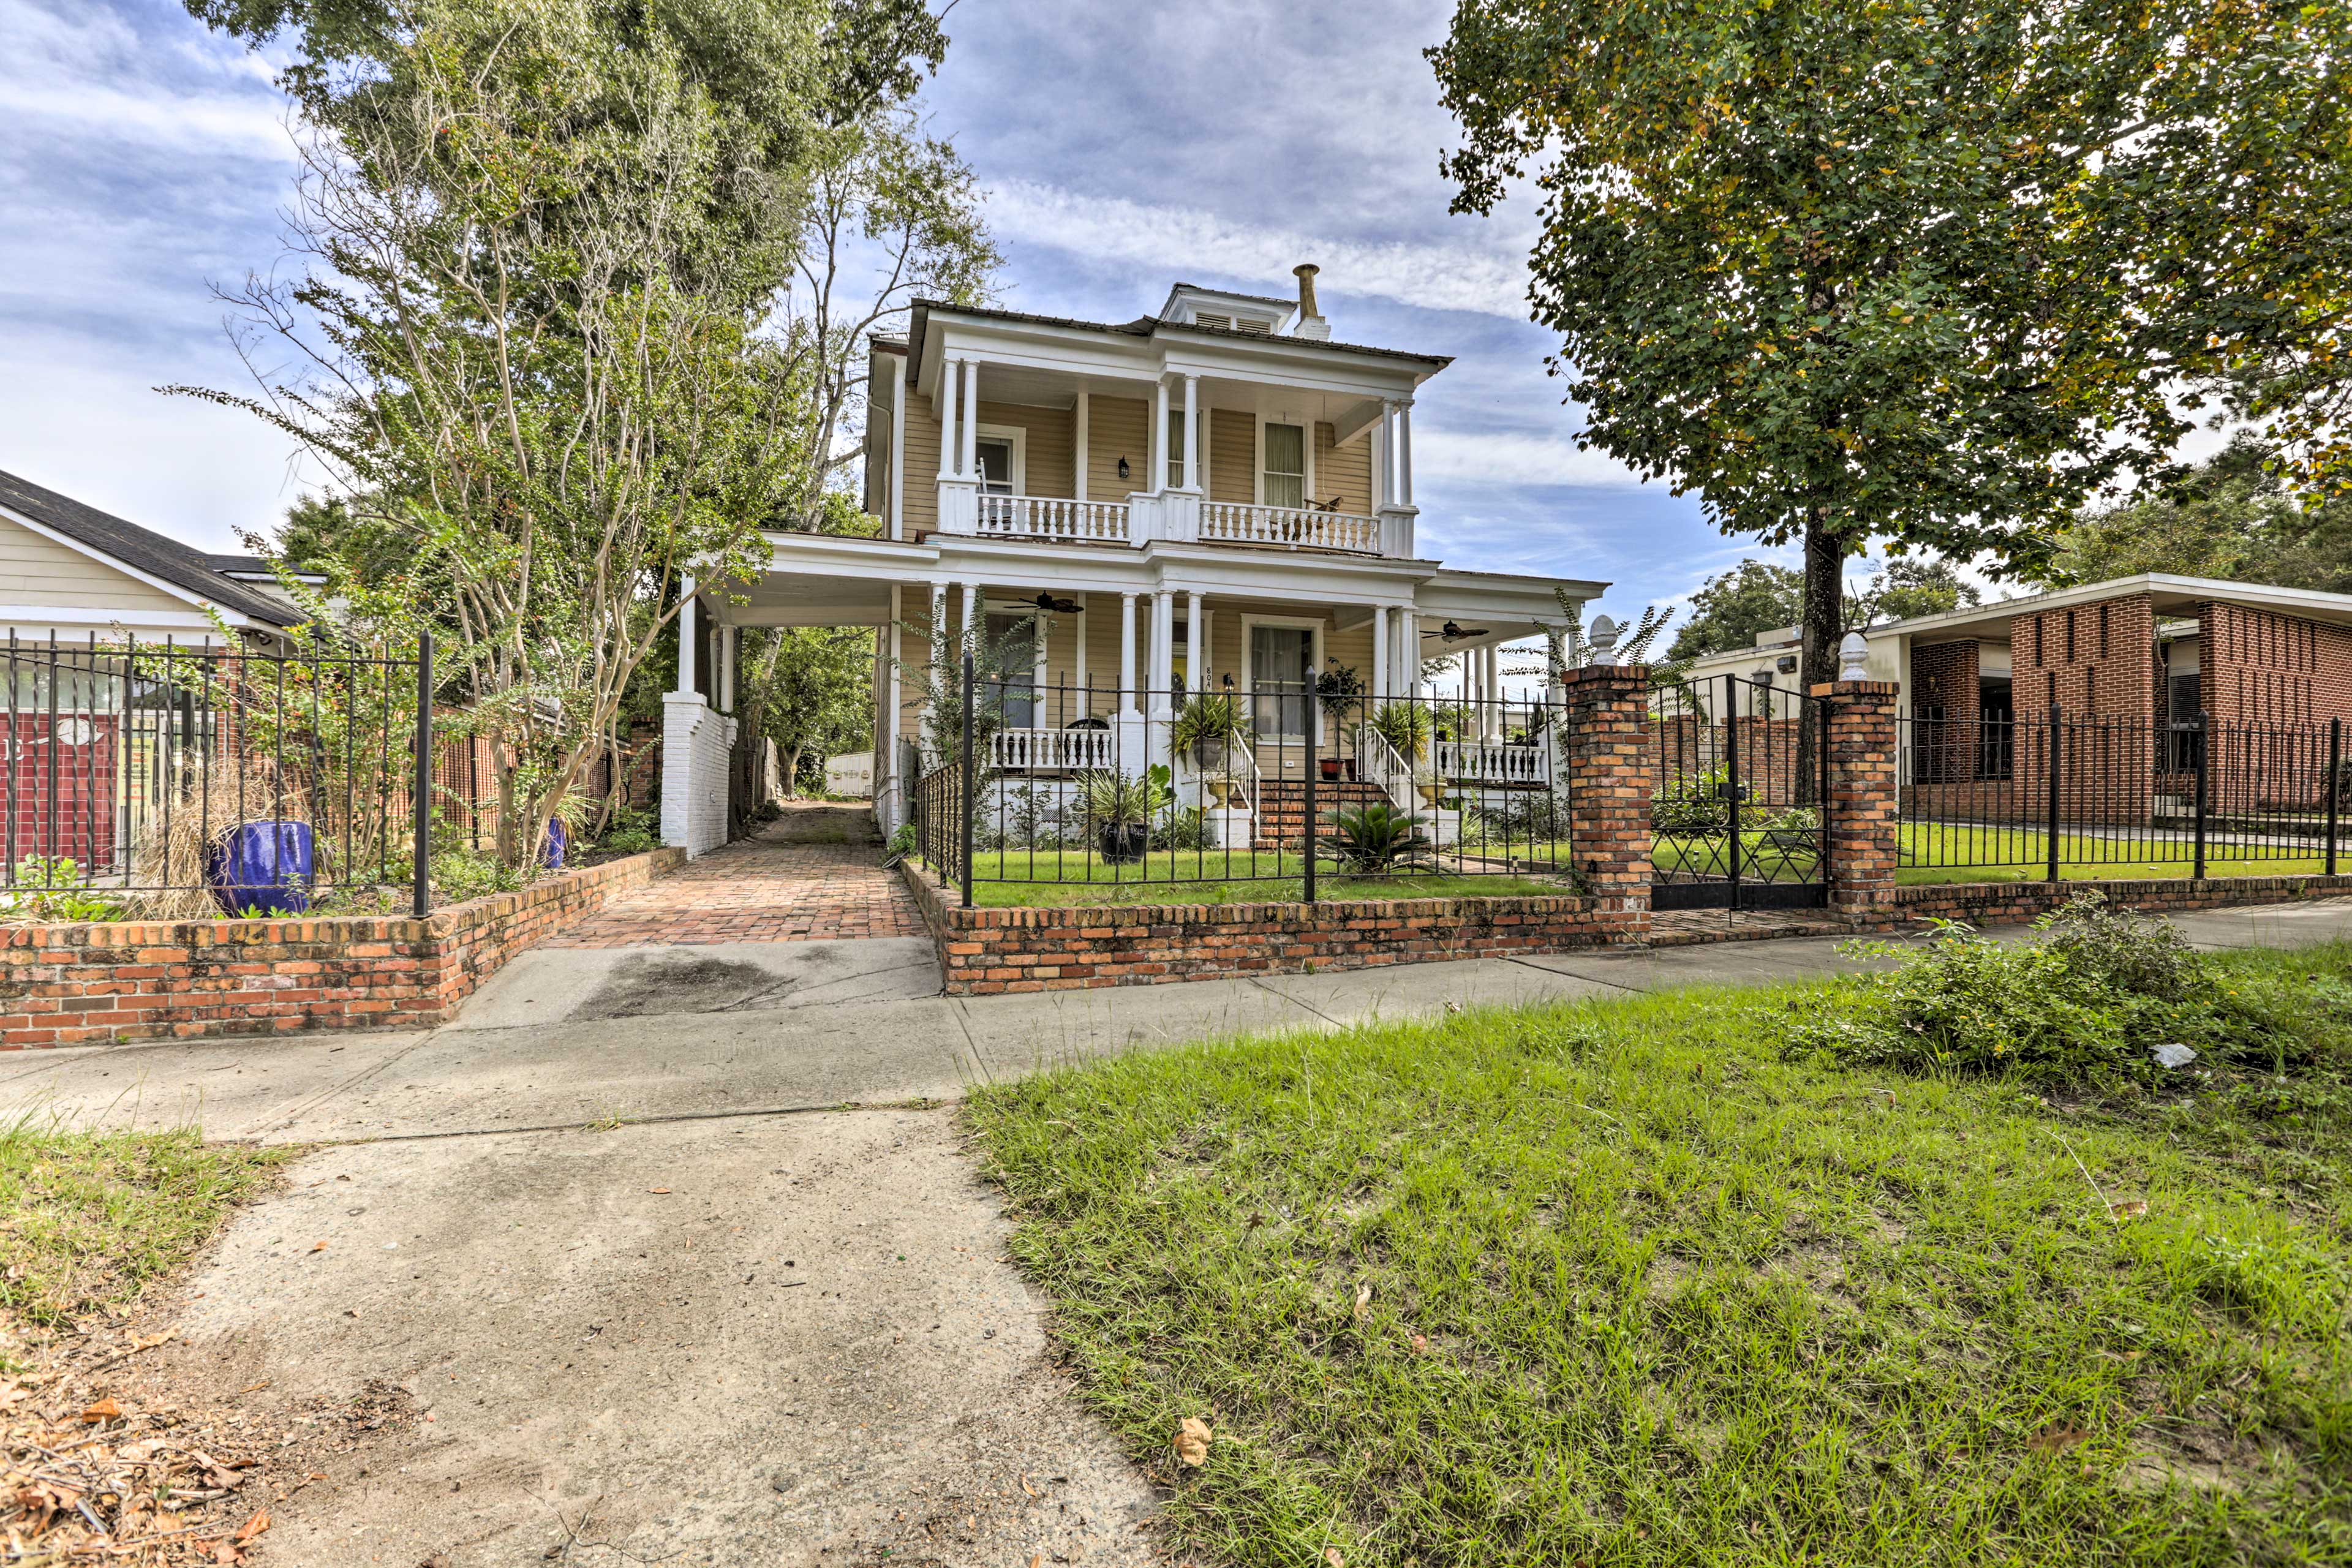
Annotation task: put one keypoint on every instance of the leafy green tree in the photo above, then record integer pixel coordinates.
(820, 700)
(1733, 607)
(543, 238)
(1910, 586)
(1897, 269)
(2231, 517)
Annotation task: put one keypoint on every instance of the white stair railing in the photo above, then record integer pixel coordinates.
(1051, 517)
(1234, 522)
(1379, 762)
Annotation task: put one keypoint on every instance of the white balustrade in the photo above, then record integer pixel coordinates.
(1052, 517)
(1235, 523)
(1493, 763)
(1053, 751)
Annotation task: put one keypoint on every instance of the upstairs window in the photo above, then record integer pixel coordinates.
(1286, 466)
(1211, 319)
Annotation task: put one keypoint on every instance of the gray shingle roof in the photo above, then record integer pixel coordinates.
(143, 550)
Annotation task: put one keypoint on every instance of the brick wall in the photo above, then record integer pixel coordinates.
(987, 951)
(2258, 666)
(135, 980)
(2096, 664)
(2007, 903)
(1946, 702)
(1610, 784)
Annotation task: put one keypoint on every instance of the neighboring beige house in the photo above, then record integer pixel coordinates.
(1217, 493)
(76, 571)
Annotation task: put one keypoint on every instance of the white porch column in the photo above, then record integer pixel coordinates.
(1127, 653)
(971, 628)
(1193, 668)
(1085, 698)
(1380, 650)
(897, 465)
(971, 468)
(1159, 436)
(1379, 445)
(1163, 648)
(1409, 645)
(893, 792)
(951, 372)
(688, 634)
(727, 636)
(1192, 433)
(1078, 472)
(1404, 465)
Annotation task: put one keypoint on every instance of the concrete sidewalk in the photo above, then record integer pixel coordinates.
(612, 1312)
(569, 1037)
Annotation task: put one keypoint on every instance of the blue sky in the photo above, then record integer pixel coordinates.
(1122, 148)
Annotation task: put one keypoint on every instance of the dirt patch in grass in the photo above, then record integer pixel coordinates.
(1614, 1283)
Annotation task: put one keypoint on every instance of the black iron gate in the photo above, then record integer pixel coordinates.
(1740, 816)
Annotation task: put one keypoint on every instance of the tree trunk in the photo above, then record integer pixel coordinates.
(792, 771)
(1824, 613)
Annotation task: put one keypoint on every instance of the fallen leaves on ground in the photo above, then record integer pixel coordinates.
(1192, 1443)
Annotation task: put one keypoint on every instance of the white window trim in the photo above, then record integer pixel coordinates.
(1249, 652)
(1019, 436)
(1306, 456)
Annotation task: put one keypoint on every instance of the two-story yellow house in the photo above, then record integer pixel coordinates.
(1219, 496)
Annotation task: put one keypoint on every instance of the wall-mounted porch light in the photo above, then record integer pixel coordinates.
(1122, 467)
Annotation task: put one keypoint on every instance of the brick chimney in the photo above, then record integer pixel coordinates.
(1311, 323)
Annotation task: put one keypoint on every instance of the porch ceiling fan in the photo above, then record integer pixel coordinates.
(1057, 606)
(1453, 633)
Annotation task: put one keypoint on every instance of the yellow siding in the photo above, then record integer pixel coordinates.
(40, 571)
(1050, 433)
(1116, 428)
(922, 468)
(1343, 471)
(1232, 456)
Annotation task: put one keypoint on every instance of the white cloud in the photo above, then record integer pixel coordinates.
(1514, 458)
(1445, 277)
(242, 127)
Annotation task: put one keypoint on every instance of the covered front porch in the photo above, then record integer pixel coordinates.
(1090, 659)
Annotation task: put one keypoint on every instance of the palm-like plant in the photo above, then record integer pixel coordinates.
(1377, 837)
(1405, 726)
(1209, 725)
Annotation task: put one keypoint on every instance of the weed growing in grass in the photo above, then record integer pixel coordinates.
(2085, 1005)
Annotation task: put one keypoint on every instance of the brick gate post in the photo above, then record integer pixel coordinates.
(1864, 828)
(1608, 788)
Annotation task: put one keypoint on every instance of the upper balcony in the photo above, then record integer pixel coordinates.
(1229, 420)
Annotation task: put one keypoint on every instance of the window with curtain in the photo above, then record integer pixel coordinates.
(1176, 444)
(1286, 466)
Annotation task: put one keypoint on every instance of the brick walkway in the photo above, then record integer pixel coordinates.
(758, 890)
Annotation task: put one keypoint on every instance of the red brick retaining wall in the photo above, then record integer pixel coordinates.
(2001, 903)
(1068, 948)
(133, 980)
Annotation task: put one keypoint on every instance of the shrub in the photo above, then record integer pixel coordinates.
(2088, 1003)
(56, 888)
(1377, 837)
(1692, 806)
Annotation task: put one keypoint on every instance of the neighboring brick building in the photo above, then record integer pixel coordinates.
(2127, 666)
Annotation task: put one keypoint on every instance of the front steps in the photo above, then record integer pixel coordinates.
(1282, 808)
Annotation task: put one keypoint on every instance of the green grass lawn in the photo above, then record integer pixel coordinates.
(1212, 877)
(1612, 1284)
(1934, 853)
(88, 1219)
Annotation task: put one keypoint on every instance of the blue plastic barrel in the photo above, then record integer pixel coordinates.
(262, 866)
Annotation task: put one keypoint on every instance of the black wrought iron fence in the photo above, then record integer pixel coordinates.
(2105, 796)
(169, 780)
(1087, 793)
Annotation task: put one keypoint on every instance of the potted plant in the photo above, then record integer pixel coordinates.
(1123, 808)
(1406, 726)
(1207, 728)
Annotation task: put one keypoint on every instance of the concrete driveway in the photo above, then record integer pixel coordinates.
(672, 1255)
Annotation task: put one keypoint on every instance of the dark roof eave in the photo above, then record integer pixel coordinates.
(143, 550)
(1143, 327)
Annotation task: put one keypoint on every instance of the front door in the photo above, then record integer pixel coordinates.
(1282, 662)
